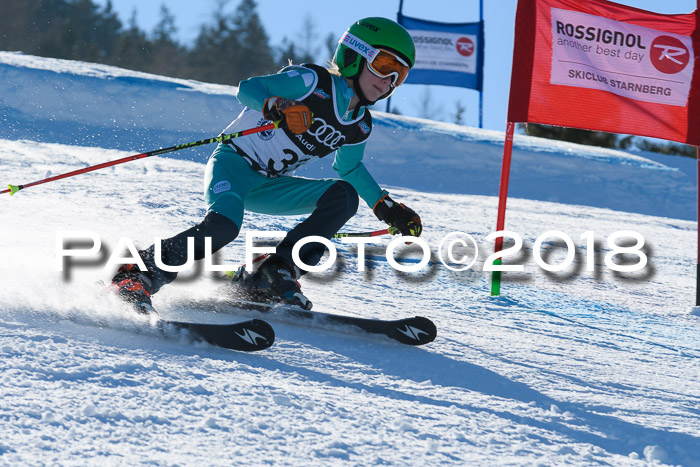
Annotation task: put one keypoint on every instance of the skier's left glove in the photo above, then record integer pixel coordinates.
(399, 217)
(287, 113)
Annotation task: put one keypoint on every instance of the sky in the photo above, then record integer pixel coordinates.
(284, 19)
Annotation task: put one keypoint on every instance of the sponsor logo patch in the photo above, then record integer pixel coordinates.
(364, 127)
(265, 135)
(465, 46)
(358, 45)
(222, 186)
(621, 58)
(669, 55)
(322, 94)
(326, 134)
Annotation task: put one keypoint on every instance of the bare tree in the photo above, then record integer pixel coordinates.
(459, 112)
(427, 106)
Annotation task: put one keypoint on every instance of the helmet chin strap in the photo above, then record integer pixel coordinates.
(364, 102)
(363, 99)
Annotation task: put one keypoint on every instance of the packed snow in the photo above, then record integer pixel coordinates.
(584, 366)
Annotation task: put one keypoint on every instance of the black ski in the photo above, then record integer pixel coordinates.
(412, 331)
(247, 336)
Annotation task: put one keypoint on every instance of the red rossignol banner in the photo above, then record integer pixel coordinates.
(602, 66)
(598, 65)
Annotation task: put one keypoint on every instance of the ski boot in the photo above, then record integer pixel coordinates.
(131, 286)
(275, 281)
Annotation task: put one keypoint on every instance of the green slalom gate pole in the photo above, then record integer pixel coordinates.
(12, 189)
(496, 279)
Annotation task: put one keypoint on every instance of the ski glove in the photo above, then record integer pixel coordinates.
(287, 113)
(399, 217)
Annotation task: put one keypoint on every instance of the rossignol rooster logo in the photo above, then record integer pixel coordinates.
(413, 332)
(669, 55)
(251, 337)
(465, 46)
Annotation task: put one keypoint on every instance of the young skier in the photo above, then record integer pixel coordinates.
(318, 111)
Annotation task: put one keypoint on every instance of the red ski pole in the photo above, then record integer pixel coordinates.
(12, 189)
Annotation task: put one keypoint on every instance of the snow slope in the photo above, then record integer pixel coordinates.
(576, 367)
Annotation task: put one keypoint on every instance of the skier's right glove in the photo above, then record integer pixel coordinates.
(288, 113)
(399, 217)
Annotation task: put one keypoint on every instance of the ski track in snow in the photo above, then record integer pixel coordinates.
(576, 368)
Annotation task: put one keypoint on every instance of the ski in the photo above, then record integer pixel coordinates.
(247, 336)
(412, 331)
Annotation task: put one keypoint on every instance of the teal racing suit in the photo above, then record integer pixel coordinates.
(255, 172)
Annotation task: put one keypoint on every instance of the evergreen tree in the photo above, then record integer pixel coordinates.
(670, 148)
(235, 47)
(210, 53)
(167, 55)
(608, 140)
(573, 135)
(133, 49)
(165, 30)
(32, 26)
(20, 24)
(77, 29)
(253, 55)
(88, 33)
(107, 29)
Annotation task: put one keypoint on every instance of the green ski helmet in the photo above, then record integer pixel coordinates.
(378, 33)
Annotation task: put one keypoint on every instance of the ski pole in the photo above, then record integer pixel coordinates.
(12, 189)
(361, 234)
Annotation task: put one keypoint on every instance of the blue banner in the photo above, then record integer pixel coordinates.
(446, 53)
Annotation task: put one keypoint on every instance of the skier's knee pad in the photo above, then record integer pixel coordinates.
(341, 198)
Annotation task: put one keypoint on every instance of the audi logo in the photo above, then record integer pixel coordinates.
(327, 135)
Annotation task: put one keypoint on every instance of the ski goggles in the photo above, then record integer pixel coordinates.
(381, 62)
(387, 64)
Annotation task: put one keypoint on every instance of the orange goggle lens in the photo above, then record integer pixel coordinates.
(386, 64)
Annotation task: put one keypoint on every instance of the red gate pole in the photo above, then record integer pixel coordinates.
(502, 198)
(697, 264)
